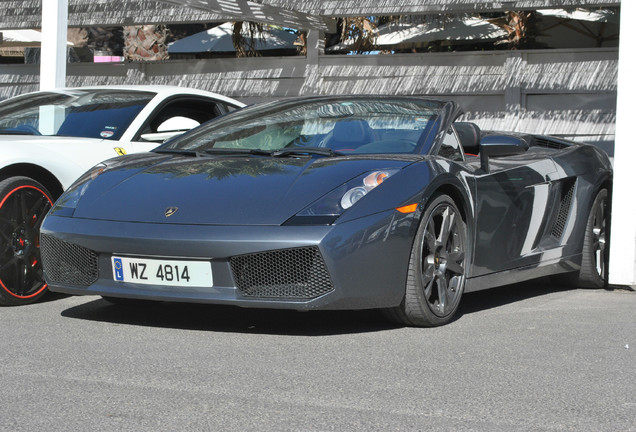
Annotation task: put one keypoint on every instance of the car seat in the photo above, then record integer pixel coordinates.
(348, 135)
(469, 136)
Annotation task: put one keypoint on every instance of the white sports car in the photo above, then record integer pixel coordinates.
(48, 139)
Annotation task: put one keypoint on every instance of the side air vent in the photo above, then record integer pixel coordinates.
(565, 204)
(548, 143)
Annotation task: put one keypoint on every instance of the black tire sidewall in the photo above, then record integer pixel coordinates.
(588, 276)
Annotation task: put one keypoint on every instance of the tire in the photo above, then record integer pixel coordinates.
(593, 273)
(436, 273)
(23, 205)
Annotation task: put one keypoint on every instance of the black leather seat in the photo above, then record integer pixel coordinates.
(349, 135)
(469, 136)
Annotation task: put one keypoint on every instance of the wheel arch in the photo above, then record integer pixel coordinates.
(35, 172)
(453, 192)
(460, 194)
(456, 190)
(606, 184)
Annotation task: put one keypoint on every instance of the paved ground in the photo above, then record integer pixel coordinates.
(529, 358)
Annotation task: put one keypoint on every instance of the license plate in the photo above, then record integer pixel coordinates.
(162, 271)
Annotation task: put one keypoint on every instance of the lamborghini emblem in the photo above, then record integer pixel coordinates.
(170, 211)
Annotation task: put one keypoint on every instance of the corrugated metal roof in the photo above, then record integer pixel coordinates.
(298, 14)
(383, 7)
(20, 14)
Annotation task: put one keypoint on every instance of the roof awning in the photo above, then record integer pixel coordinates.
(219, 39)
(22, 38)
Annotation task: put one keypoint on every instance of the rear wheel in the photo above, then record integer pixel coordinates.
(593, 273)
(594, 256)
(436, 274)
(23, 205)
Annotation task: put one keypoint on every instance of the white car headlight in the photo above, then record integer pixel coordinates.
(332, 205)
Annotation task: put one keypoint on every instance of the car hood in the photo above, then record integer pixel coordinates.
(40, 139)
(218, 191)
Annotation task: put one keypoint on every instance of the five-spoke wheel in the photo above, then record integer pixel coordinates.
(23, 205)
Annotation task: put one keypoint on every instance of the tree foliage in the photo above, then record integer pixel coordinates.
(246, 46)
(521, 28)
(146, 42)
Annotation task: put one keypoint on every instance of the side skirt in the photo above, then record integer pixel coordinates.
(508, 277)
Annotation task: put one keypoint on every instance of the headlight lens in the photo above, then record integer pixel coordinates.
(329, 207)
(352, 196)
(370, 181)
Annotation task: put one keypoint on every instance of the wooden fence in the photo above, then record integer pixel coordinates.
(569, 93)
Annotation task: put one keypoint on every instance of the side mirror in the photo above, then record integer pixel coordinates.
(500, 145)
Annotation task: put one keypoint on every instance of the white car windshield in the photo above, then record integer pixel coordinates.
(103, 114)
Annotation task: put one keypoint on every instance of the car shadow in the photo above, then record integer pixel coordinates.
(495, 297)
(234, 319)
(51, 297)
(221, 318)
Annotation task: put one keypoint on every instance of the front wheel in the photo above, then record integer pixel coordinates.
(436, 273)
(23, 205)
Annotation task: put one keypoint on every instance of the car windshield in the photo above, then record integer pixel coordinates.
(104, 114)
(346, 125)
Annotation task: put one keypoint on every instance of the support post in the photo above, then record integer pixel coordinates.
(315, 45)
(622, 266)
(53, 48)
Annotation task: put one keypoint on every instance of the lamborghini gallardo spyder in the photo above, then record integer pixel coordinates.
(333, 203)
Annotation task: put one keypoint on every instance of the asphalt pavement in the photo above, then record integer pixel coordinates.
(530, 357)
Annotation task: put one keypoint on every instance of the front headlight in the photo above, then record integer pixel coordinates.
(328, 208)
(370, 182)
(67, 203)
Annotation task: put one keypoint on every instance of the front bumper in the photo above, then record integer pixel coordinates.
(355, 265)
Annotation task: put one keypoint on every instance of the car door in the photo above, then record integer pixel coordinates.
(175, 116)
(511, 211)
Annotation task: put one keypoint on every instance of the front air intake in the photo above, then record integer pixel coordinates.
(293, 274)
(67, 263)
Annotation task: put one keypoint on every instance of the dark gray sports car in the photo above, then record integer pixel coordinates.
(333, 203)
